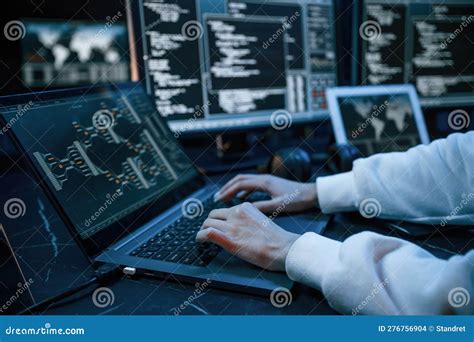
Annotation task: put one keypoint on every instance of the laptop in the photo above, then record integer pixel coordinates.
(120, 181)
(377, 119)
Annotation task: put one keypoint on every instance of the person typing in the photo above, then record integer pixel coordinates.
(428, 184)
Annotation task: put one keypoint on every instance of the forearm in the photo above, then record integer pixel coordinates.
(373, 274)
(430, 184)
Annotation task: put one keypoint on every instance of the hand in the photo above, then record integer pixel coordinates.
(247, 233)
(286, 196)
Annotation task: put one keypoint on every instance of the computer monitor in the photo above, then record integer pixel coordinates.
(232, 64)
(423, 42)
(58, 53)
(377, 119)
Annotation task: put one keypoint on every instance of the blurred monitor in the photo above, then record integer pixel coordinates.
(233, 64)
(377, 119)
(423, 42)
(71, 53)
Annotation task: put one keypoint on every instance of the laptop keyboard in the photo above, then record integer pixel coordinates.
(177, 242)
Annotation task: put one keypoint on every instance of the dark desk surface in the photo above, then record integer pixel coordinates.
(48, 255)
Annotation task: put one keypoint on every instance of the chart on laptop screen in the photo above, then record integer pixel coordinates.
(103, 156)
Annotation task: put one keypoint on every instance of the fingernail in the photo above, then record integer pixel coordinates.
(217, 196)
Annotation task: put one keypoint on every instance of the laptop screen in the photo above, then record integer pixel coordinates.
(103, 154)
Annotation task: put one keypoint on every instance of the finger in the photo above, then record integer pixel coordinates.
(243, 194)
(215, 236)
(268, 206)
(246, 185)
(233, 181)
(218, 224)
(220, 214)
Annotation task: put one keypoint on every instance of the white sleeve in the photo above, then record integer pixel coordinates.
(372, 274)
(428, 183)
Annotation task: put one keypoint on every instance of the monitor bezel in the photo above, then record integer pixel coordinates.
(333, 94)
(95, 244)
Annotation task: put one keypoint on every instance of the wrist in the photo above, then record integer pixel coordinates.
(280, 251)
(310, 195)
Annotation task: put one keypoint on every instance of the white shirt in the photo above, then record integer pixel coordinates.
(372, 274)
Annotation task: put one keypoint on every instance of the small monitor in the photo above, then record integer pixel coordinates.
(424, 42)
(215, 65)
(377, 119)
(59, 53)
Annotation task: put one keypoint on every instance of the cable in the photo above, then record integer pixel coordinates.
(103, 275)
